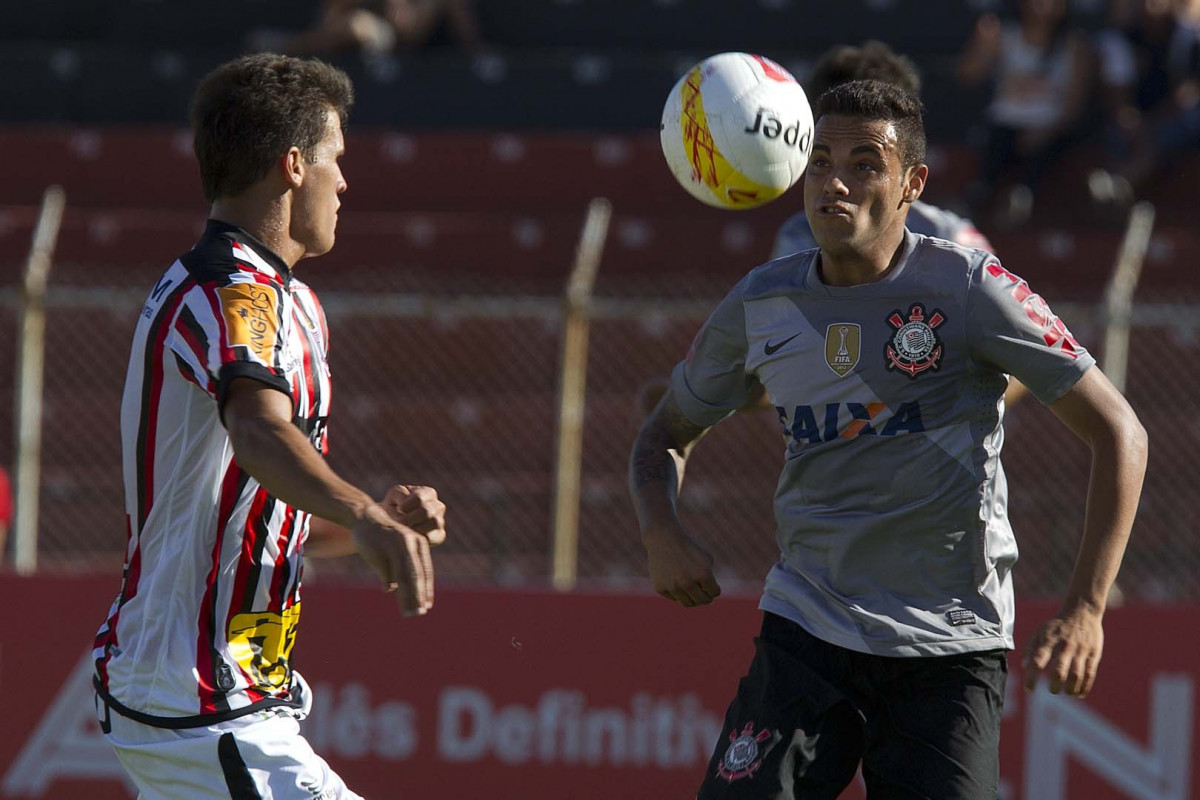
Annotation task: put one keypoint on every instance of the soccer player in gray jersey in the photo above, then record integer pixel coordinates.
(839, 64)
(888, 616)
(875, 61)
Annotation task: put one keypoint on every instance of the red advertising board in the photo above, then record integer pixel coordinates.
(541, 696)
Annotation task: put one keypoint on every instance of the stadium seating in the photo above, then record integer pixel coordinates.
(422, 208)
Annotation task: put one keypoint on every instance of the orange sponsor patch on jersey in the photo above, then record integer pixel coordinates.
(251, 318)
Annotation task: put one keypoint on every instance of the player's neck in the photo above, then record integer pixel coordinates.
(853, 267)
(267, 221)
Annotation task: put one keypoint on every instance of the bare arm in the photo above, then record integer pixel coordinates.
(328, 540)
(416, 507)
(1069, 645)
(659, 454)
(1015, 392)
(680, 569)
(276, 454)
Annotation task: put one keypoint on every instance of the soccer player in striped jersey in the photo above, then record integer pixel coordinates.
(888, 617)
(223, 427)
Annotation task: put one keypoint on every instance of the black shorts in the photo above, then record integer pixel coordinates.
(810, 712)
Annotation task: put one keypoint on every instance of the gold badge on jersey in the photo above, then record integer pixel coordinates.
(261, 642)
(251, 318)
(843, 344)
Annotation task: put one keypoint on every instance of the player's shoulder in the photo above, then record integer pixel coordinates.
(211, 258)
(979, 269)
(945, 249)
(778, 274)
(950, 261)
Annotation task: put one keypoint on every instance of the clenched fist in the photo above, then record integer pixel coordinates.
(419, 508)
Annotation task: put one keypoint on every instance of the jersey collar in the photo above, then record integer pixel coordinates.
(813, 282)
(251, 251)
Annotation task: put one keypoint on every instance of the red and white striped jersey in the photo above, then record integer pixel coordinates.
(205, 621)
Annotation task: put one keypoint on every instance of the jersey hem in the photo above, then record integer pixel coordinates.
(904, 650)
(193, 721)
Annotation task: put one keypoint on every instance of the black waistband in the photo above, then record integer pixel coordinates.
(196, 720)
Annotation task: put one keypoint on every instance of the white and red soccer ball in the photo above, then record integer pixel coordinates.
(737, 130)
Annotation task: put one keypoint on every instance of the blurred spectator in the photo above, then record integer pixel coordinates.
(1041, 67)
(1150, 74)
(379, 26)
(6, 513)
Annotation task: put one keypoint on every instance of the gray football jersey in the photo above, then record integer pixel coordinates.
(891, 509)
(795, 234)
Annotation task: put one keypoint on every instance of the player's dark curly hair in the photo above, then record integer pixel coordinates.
(876, 100)
(872, 60)
(248, 112)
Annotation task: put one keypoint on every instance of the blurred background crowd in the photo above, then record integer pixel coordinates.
(482, 129)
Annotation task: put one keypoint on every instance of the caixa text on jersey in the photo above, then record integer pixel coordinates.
(816, 424)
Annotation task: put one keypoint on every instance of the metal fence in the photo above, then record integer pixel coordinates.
(460, 393)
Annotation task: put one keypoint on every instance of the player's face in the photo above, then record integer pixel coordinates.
(315, 202)
(854, 187)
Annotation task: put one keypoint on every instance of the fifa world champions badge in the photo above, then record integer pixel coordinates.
(915, 346)
(745, 753)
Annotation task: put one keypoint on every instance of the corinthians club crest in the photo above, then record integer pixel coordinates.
(915, 347)
(745, 753)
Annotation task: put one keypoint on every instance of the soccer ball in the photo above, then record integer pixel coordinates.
(737, 131)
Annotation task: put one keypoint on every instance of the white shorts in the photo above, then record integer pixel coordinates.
(261, 756)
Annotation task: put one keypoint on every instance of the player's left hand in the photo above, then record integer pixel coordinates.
(419, 508)
(1067, 649)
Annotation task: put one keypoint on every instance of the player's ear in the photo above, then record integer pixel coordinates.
(292, 167)
(914, 182)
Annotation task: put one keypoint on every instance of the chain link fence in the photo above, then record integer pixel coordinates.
(461, 395)
(460, 391)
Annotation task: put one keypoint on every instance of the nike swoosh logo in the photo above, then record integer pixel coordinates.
(772, 349)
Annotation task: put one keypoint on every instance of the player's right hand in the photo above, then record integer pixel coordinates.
(680, 569)
(419, 508)
(399, 555)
